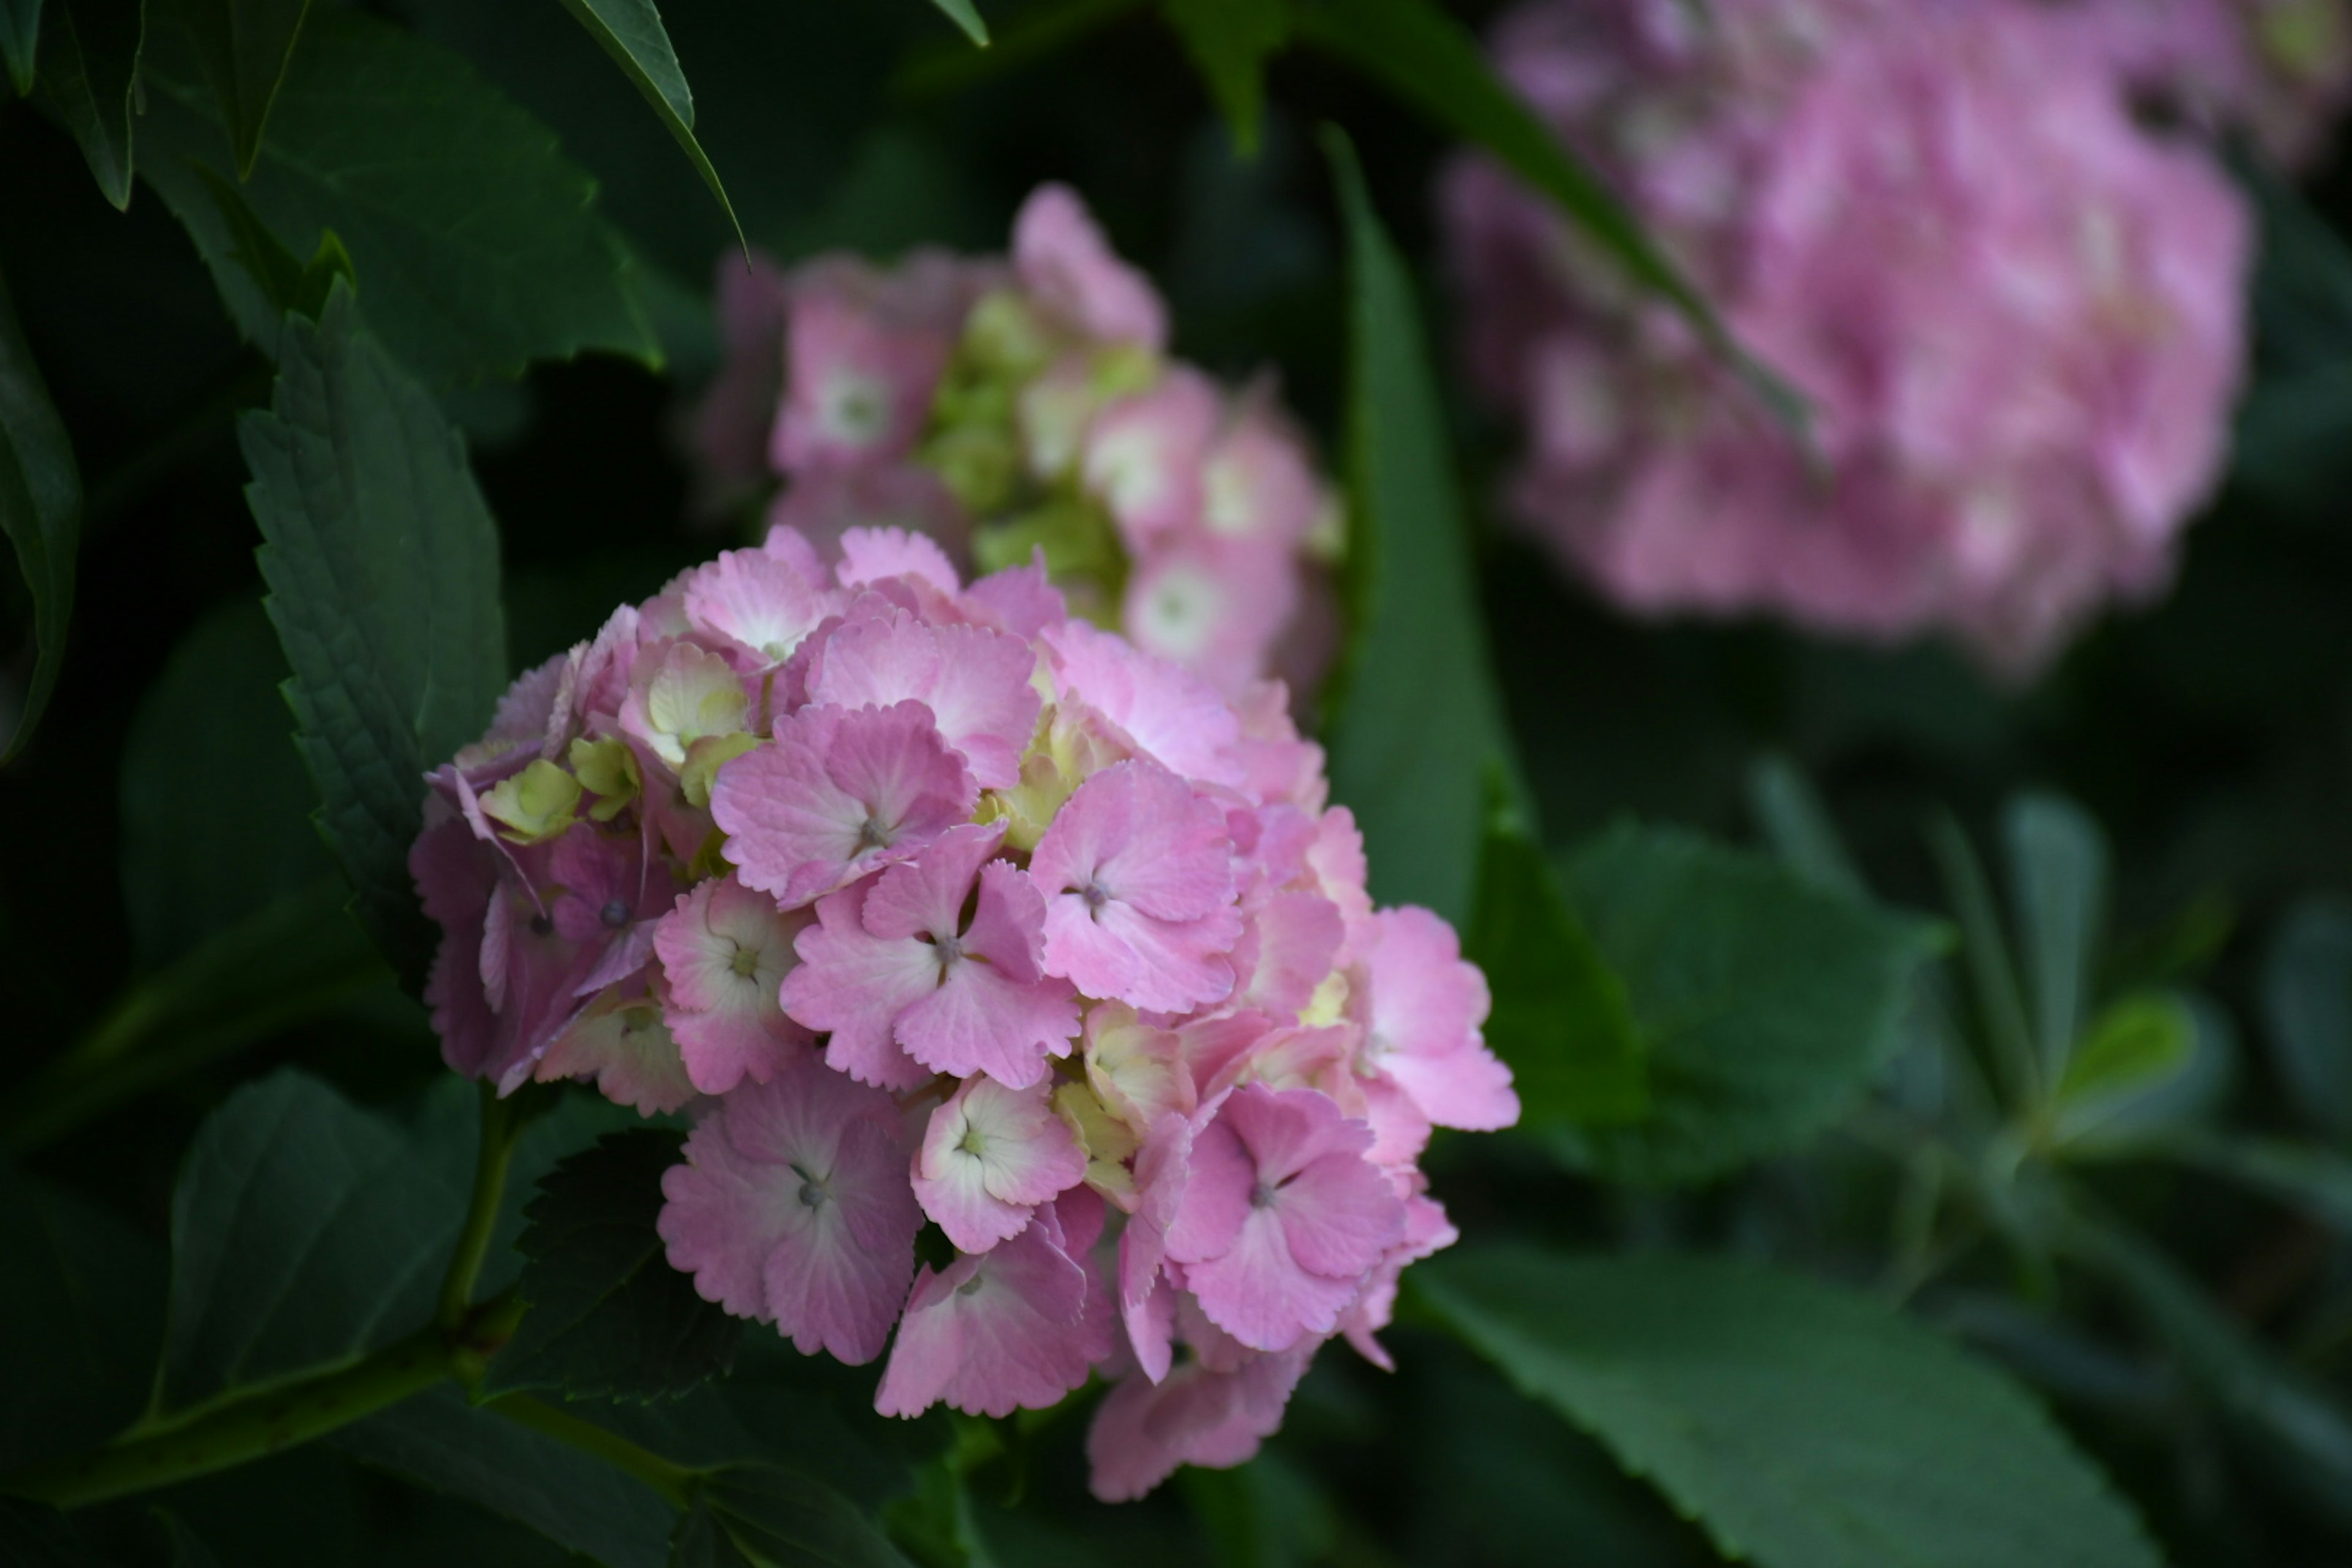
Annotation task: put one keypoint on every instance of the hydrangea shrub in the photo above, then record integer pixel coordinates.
(1022, 989)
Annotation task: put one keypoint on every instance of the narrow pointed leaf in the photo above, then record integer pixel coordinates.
(244, 47)
(89, 74)
(40, 512)
(2307, 1010)
(1230, 41)
(2058, 895)
(20, 32)
(964, 14)
(631, 32)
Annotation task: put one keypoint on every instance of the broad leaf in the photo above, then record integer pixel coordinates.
(1432, 62)
(89, 75)
(20, 33)
(2136, 1045)
(40, 511)
(2306, 997)
(81, 1310)
(631, 32)
(382, 567)
(244, 47)
(1765, 1004)
(1559, 1016)
(2058, 893)
(1230, 41)
(439, 1441)
(778, 1516)
(1803, 1426)
(966, 15)
(609, 1317)
(1417, 725)
(476, 242)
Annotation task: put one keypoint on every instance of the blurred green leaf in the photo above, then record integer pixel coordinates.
(631, 32)
(1416, 722)
(244, 47)
(383, 566)
(1559, 1017)
(2306, 1001)
(478, 243)
(2170, 1061)
(1797, 826)
(1804, 1427)
(40, 511)
(609, 1317)
(20, 33)
(2315, 1182)
(2058, 893)
(1267, 1513)
(964, 14)
(1433, 62)
(2134, 1042)
(773, 1516)
(34, 1535)
(90, 75)
(2000, 1006)
(1230, 41)
(1764, 1004)
(187, 1551)
(82, 1311)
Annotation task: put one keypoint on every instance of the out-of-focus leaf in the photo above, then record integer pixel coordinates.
(187, 1550)
(89, 75)
(1804, 1427)
(1559, 1017)
(772, 1515)
(2315, 1180)
(34, 1535)
(1417, 724)
(440, 1442)
(2135, 1045)
(382, 567)
(2306, 997)
(20, 32)
(631, 32)
(82, 1311)
(477, 243)
(40, 511)
(1265, 1514)
(1798, 828)
(1230, 41)
(609, 1317)
(1999, 1007)
(244, 47)
(1764, 1004)
(966, 15)
(2058, 893)
(1432, 62)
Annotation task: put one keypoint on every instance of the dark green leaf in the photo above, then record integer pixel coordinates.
(1417, 725)
(1804, 1427)
(2058, 896)
(966, 15)
(609, 1317)
(2000, 1006)
(34, 1535)
(477, 241)
(439, 1441)
(702, 1542)
(244, 47)
(89, 75)
(1797, 826)
(2135, 1045)
(307, 1232)
(2315, 1180)
(187, 1551)
(1560, 1018)
(631, 32)
(286, 283)
(40, 511)
(82, 1311)
(1263, 1514)
(1230, 41)
(382, 567)
(1433, 62)
(20, 33)
(781, 1518)
(2307, 1009)
(1764, 1003)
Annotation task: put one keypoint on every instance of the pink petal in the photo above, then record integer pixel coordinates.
(1421, 1006)
(994, 1333)
(974, 681)
(875, 554)
(852, 985)
(1174, 715)
(755, 602)
(989, 1154)
(1063, 260)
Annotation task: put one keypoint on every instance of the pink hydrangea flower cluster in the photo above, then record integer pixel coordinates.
(932, 905)
(1001, 406)
(2280, 69)
(2015, 311)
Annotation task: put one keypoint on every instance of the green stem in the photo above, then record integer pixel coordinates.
(501, 1122)
(675, 1482)
(243, 1431)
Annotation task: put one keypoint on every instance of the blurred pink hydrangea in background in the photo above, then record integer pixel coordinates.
(2013, 303)
(929, 903)
(999, 405)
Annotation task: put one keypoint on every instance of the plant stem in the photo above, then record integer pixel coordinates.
(675, 1482)
(243, 1431)
(500, 1123)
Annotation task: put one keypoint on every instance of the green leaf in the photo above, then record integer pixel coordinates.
(20, 33)
(775, 1516)
(609, 1317)
(382, 567)
(82, 1311)
(1999, 1007)
(1797, 826)
(1416, 725)
(187, 1550)
(245, 49)
(40, 511)
(2316, 1182)
(2058, 896)
(631, 32)
(34, 1535)
(1802, 1426)
(1559, 1017)
(1764, 1003)
(90, 75)
(307, 1232)
(574, 1498)
(2137, 1044)
(2307, 999)
(964, 14)
(1432, 62)
(478, 243)
(1230, 41)
(287, 284)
